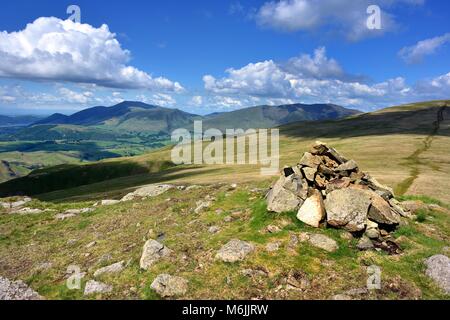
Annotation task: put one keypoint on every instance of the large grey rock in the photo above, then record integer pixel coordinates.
(153, 190)
(397, 207)
(169, 286)
(347, 208)
(312, 212)
(235, 250)
(153, 251)
(438, 269)
(94, 287)
(287, 194)
(114, 268)
(323, 242)
(381, 212)
(16, 290)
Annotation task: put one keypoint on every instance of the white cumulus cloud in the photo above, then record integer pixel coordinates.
(346, 16)
(417, 52)
(61, 50)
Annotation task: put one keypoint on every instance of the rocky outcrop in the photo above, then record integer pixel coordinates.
(326, 187)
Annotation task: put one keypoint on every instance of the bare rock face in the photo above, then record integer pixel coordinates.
(348, 208)
(312, 212)
(438, 269)
(16, 290)
(169, 286)
(234, 251)
(153, 251)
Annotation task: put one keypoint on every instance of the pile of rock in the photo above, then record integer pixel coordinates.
(326, 187)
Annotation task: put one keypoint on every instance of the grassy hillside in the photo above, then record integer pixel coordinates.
(406, 147)
(383, 142)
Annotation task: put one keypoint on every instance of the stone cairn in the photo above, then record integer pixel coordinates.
(325, 188)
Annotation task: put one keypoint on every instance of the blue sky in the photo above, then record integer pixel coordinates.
(206, 56)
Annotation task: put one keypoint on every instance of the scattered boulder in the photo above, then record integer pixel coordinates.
(323, 242)
(235, 250)
(16, 290)
(169, 286)
(25, 211)
(152, 252)
(106, 203)
(347, 208)
(64, 216)
(312, 212)
(438, 269)
(94, 287)
(114, 268)
(149, 191)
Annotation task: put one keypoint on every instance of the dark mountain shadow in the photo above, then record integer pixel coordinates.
(409, 121)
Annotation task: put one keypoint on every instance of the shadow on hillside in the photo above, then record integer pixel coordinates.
(421, 122)
(71, 176)
(117, 188)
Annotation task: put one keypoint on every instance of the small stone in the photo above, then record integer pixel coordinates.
(365, 244)
(169, 286)
(372, 233)
(273, 246)
(273, 229)
(213, 229)
(235, 250)
(348, 166)
(228, 219)
(323, 242)
(91, 244)
(109, 202)
(346, 235)
(114, 268)
(94, 287)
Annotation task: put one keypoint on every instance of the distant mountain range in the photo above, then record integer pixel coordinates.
(133, 116)
(7, 121)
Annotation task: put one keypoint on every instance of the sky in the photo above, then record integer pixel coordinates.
(213, 56)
